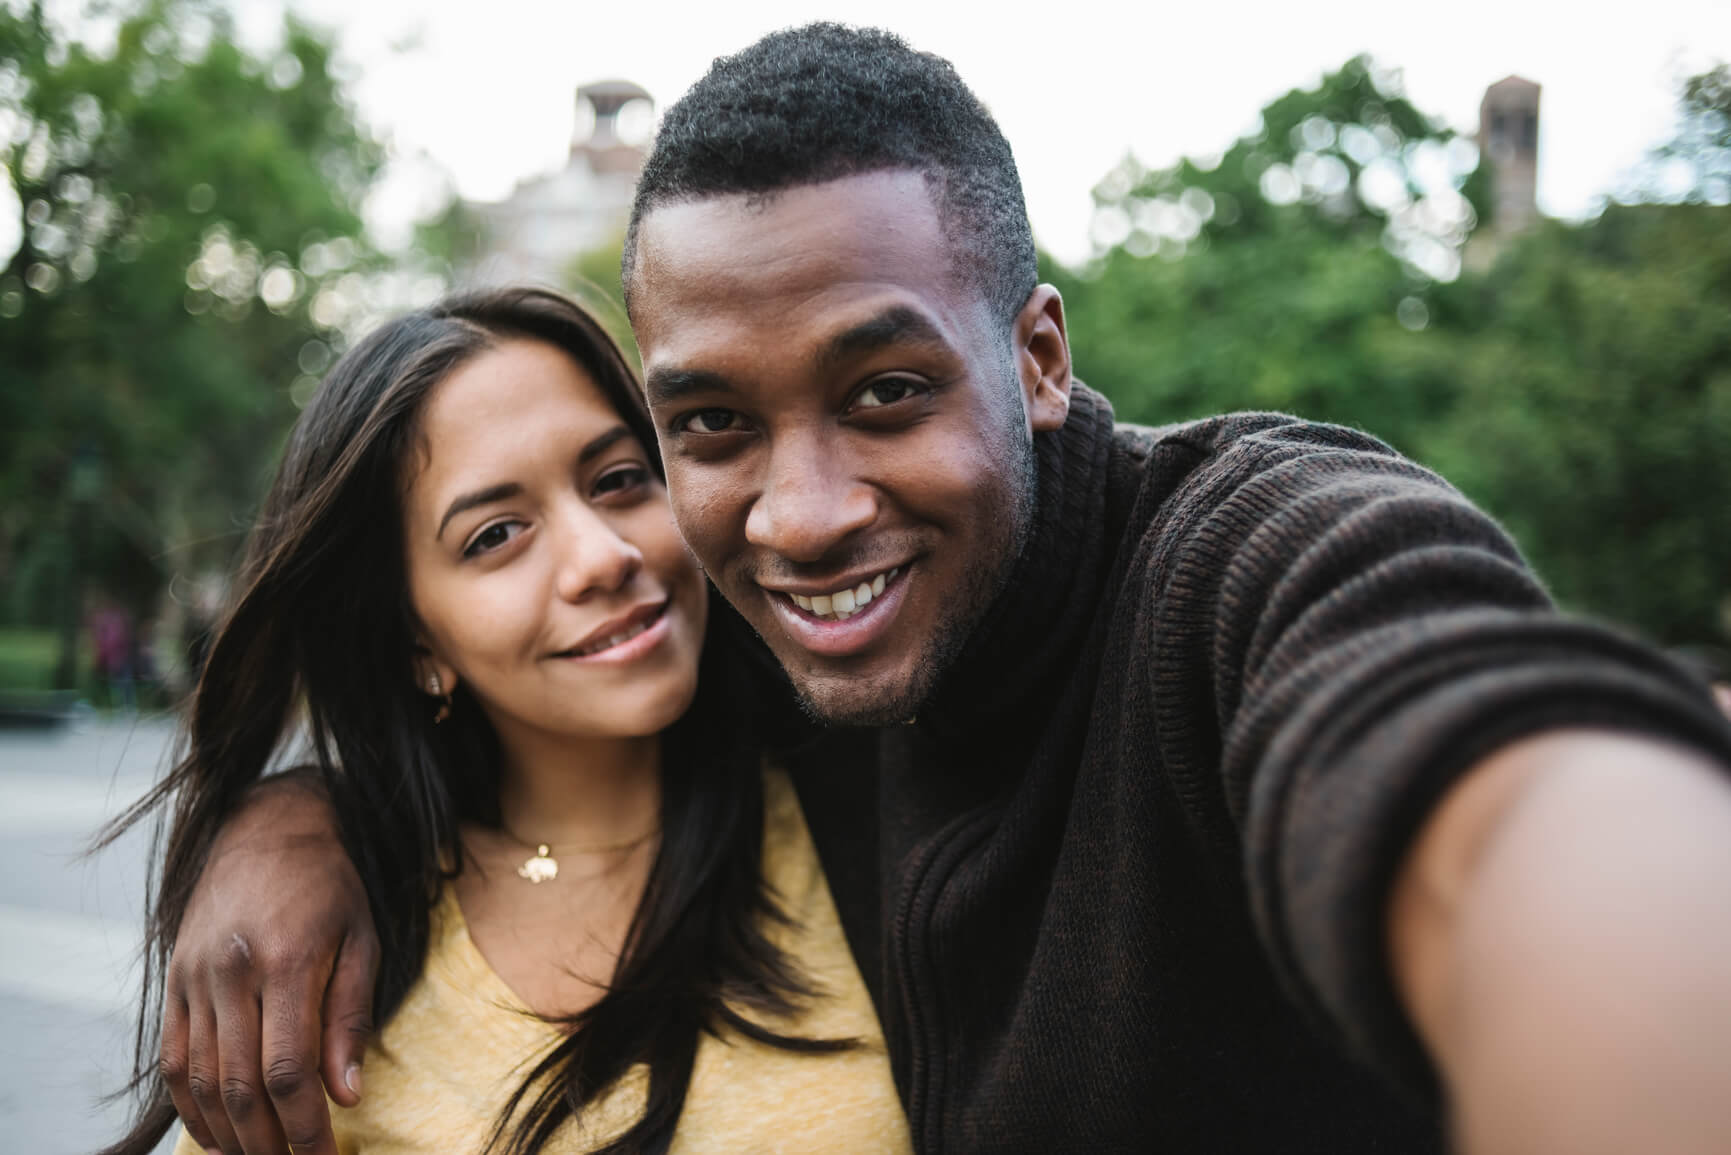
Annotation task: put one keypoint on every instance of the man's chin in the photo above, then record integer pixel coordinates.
(862, 700)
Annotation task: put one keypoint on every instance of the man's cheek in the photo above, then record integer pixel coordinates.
(686, 513)
(697, 526)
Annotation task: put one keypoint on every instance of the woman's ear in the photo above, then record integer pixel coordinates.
(433, 676)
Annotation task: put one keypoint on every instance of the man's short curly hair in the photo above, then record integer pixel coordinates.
(818, 103)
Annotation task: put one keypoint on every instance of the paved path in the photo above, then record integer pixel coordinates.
(69, 929)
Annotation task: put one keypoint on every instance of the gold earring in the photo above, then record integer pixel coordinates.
(437, 689)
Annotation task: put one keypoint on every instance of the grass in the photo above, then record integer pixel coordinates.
(28, 658)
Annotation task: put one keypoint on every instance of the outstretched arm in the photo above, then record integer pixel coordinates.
(1561, 936)
(271, 981)
(1488, 844)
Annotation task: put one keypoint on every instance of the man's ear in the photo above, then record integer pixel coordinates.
(1043, 359)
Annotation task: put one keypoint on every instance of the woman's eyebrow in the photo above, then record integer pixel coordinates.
(597, 445)
(477, 497)
(602, 443)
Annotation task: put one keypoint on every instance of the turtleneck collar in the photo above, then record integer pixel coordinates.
(1035, 624)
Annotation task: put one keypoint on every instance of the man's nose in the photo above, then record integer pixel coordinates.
(810, 503)
(594, 557)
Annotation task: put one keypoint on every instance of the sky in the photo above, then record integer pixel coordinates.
(476, 97)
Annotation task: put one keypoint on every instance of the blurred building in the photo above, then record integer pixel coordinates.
(548, 221)
(1509, 139)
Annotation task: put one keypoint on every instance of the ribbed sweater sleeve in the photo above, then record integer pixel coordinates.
(1367, 636)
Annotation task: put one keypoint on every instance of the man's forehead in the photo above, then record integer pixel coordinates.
(871, 219)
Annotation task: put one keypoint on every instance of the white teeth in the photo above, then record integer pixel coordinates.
(844, 604)
(612, 640)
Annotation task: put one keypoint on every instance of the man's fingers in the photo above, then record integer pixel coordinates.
(204, 1079)
(239, 1063)
(291, 1067)
(348, 1016)
(172, 1062)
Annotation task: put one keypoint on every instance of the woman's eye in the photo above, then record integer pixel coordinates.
(711, 421)
(885, 392)
(621, 480)
(493, 537)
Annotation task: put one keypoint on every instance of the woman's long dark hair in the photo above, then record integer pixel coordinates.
(321, 619)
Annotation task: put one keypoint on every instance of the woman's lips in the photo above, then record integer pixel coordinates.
(626, 640)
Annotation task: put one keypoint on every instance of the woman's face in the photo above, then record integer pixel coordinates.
(542, 559)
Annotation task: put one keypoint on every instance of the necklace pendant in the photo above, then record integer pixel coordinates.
(539, 867)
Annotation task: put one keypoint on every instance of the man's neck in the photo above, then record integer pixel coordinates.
(1020, 644)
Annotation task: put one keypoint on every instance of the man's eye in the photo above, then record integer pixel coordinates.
(885, 392)
(711, 421)
(493, 537)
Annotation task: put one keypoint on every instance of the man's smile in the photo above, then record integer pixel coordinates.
(843, 619)
(842, 600)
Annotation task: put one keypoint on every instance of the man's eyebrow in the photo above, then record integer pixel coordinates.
(666, 386)
(896, 325)
(478, 497)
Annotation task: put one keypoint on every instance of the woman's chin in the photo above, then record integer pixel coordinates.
(626, 716)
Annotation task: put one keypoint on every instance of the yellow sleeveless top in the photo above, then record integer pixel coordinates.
(442, 1069)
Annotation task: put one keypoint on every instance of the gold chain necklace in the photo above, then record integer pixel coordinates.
(543, 867)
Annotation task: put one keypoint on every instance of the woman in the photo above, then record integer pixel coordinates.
(603, 926)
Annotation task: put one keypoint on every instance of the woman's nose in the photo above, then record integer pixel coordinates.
(594, 556)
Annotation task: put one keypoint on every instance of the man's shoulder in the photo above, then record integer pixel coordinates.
(1172, 481)
(1218, 455)
(1249, 432)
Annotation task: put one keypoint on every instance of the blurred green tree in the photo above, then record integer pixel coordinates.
(1694, 166)
(1579, 387)
(593, 279)
(1288, 274)
(1595, 415)
(188, 211)
(1595, 411)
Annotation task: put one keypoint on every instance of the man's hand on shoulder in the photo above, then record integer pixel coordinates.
(269, 989)
(1561, 936)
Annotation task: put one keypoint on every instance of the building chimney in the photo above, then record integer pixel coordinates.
(1509, 141)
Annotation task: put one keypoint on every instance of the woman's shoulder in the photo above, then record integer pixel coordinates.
(747, 1095)
(790, 864)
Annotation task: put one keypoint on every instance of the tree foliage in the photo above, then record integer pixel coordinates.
(188, 211)
(1287, 274)
(1594, 412)
(1694, 167)
(593, 279)
(1578, 385)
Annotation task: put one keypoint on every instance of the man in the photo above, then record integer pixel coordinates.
(1227, 787)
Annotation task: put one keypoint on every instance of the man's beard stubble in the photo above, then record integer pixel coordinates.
(983, 583)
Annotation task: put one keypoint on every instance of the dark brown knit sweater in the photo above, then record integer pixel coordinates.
(1120, 887)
